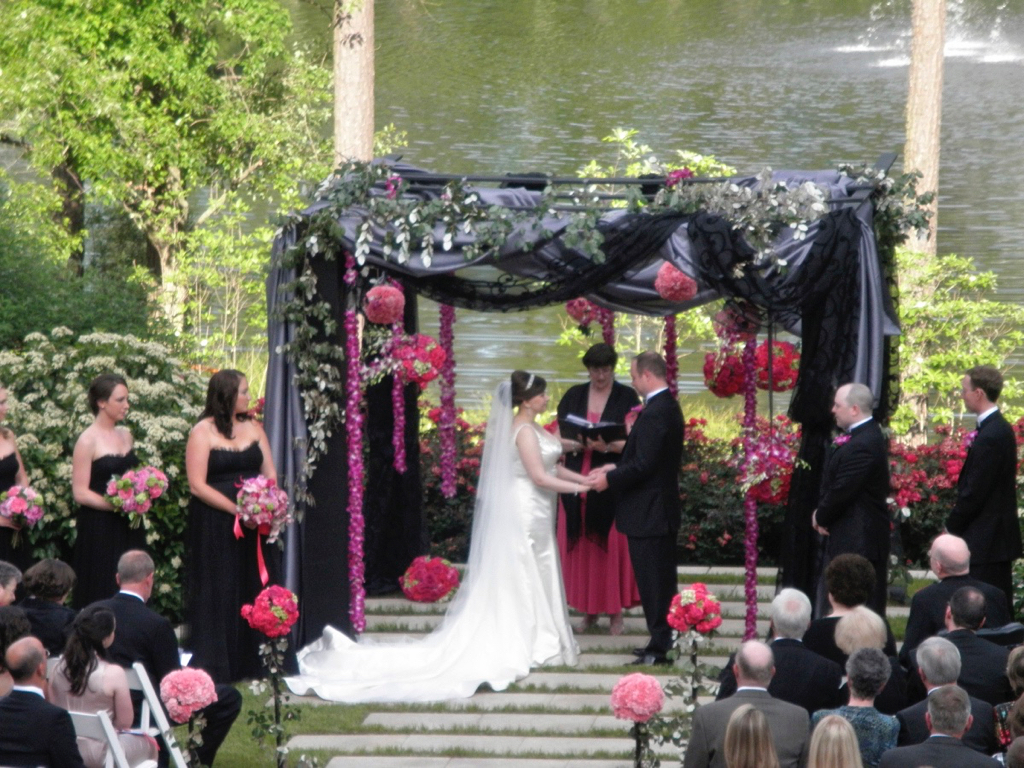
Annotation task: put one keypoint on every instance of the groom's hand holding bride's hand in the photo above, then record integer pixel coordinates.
(599, 476)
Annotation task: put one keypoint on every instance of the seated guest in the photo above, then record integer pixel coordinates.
(748, 740)
(1015, 754)
(867, 671)
(9, 579)
(950, 561)
(982, 663)
(802, 677)
(1015, 674)
(146, 636)
(834, 744)
(753, 668)
(850, 581)
(13, 626)
(48, 584)
(863, 628)
(33, 731)
(938, 664)
(83, 681)
(949, 716)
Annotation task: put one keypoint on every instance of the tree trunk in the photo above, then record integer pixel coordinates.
(72, 209)
(924, 103)
(353, 80)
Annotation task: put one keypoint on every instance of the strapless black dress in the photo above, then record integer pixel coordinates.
(21, 555)
(103, 536)
(222, 574)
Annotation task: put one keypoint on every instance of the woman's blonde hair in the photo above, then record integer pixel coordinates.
(748, 740)
(860, 628)
(834, 745)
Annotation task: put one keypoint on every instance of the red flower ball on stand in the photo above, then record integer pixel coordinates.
(785, 366)
(695, 608)
(273, 612)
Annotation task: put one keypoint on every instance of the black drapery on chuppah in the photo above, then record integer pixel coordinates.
(832, 291)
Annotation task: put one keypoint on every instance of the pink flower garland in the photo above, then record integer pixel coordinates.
(398, 398)
(749, 501)
(446, 425)
(354, 432)
(671, 355)
(607, 319)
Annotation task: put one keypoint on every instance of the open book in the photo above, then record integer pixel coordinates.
(576, 428)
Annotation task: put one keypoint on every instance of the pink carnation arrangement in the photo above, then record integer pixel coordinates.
(185, 691)
(429, 580)
(385, 304)
(672, 284)
(135, 491)
(583, 311)
(637, 697)
(695, 608)
(262, 503)
(273, 612)
(419, 358)
(22, 505)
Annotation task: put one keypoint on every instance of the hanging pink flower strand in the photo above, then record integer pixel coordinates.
(750, 500)
(607, 319)
(671, 355)
(446, 424)
(354, 445)
(391, 305)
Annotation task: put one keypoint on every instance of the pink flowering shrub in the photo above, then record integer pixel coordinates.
(185, 691)
(637, 697)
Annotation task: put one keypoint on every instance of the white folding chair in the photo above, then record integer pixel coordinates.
(153, 711)
(97, 725)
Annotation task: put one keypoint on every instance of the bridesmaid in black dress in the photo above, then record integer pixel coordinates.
(12, 472)
(222, 572)
(102, 451)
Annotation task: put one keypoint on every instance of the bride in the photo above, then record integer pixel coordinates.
(509, 614)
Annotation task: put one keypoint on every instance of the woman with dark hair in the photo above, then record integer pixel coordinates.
(222, 572)
(83, 681)
(48, 584)
(12, 472)
(595, 556)
(104, 450)
(13, 626)
(509, 615)
(10, 577)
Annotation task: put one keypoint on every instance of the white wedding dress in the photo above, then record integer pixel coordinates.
(509, 614)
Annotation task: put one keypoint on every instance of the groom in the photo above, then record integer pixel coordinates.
(646, 481)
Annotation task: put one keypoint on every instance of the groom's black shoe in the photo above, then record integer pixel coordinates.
(651, 659)
(640, 650)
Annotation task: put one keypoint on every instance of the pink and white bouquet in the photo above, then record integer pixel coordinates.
(22, 505)
(186, 691)
(135, 491)
(694, 608)
(263, 505)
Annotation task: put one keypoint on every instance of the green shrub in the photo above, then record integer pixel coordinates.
(47, 381)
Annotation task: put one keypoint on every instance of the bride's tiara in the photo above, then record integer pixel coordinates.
(529, 381)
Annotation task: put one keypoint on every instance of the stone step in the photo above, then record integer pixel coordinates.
(588, 681)
(604, 643)
(422, 761)
(539, 722)
(489, 701)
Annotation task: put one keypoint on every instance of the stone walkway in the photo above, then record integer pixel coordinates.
(550, 719)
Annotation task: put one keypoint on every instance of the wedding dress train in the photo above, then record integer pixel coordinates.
(509, 614)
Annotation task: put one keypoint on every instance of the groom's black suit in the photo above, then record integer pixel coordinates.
(647, 512)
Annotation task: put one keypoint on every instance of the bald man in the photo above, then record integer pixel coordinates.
(950, 560)
(32, 731)
(754, 668)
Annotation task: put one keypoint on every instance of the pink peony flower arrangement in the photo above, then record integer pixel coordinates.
(264, 505)
(637, 697)
(419, 358)
(273, 612)
(429, 580)
(695, 608)
(185, 691)
(385, 304)
(672, 284)
(675, 177)
(22, 505)
(135, 491)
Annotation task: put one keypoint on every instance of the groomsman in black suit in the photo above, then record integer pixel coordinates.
(852, 512)
(985, 514)
(34, 732)
(648, 509)
(144, 635)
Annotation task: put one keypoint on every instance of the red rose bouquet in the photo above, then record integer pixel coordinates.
(785, 365)
(273, 612)
(418, 359)
(135, 491)
(694, 608)
(429, 580)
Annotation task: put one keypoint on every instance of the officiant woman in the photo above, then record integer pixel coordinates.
(596, 568)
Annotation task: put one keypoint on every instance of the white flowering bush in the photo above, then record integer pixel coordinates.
(47, 381)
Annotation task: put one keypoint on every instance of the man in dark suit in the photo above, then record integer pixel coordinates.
(146, 636)
(648, 510)
(34, 732)
(789, 724)
(852, 512)
(985, 513)
(950, 561)
(938, 664)
(948, 717)
(982, 663)
(802, 677)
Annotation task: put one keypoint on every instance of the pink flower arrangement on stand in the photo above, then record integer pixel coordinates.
(23, 506)
(446, 424)
(638, 698)
(185, 692)
(135, 491)
(430, 580)
(354, 445)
